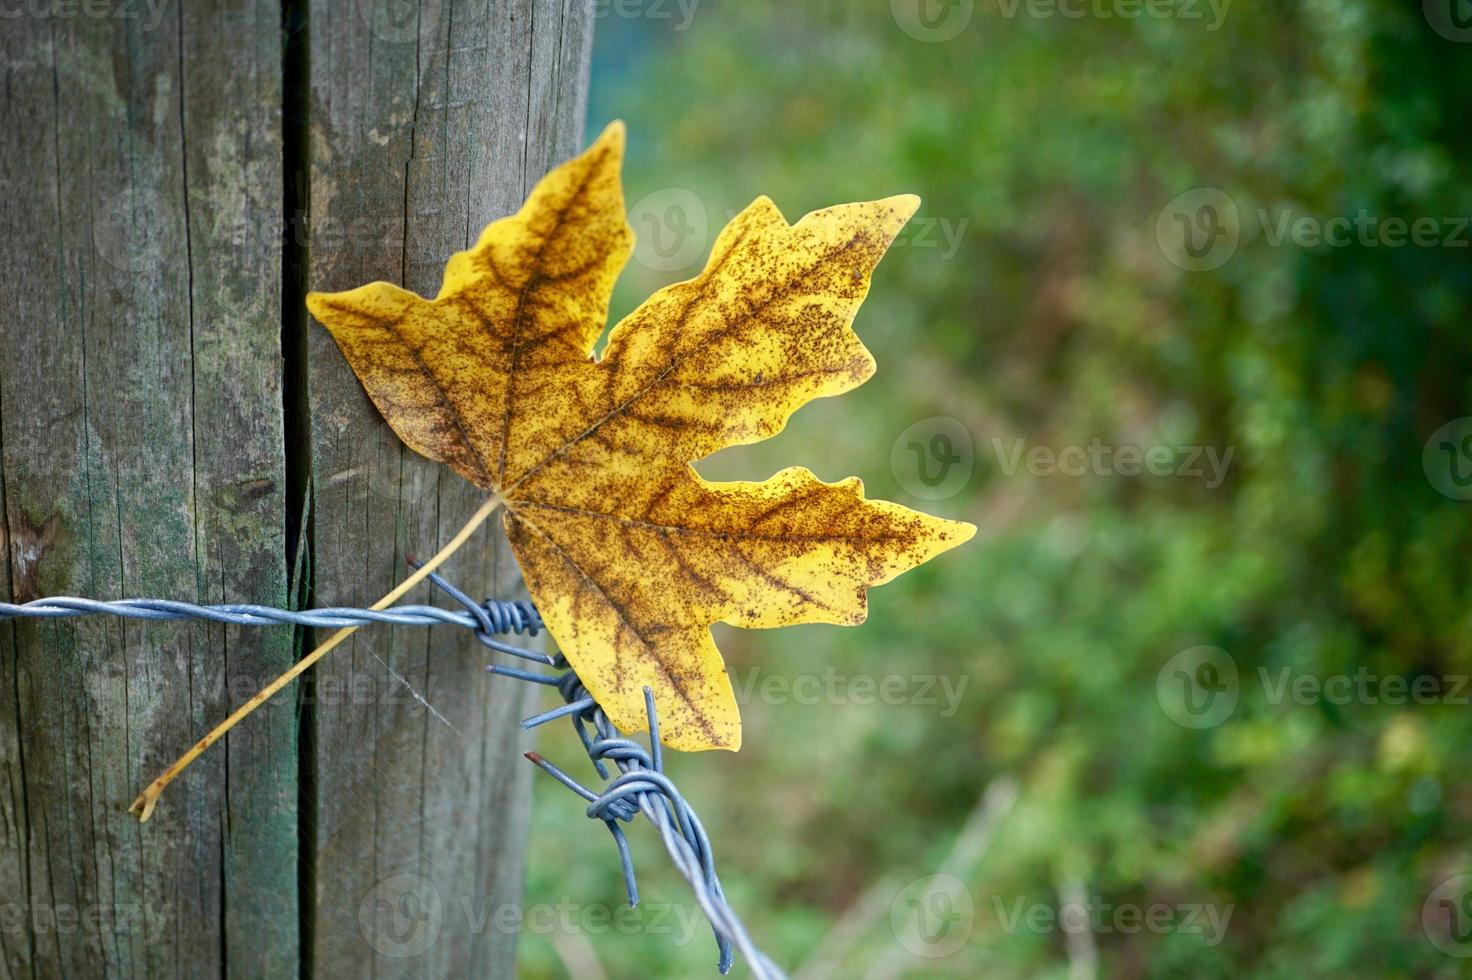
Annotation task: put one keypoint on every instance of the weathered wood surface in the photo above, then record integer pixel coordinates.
(158, 413)
(422, 130)
(141, 447)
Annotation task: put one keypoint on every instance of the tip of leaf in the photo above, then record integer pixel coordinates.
(906, 204)
(614, 133)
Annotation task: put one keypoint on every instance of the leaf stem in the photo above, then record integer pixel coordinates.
(143, 806)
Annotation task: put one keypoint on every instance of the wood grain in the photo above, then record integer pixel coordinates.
(143, 455)
(433, 125)
(155, 418)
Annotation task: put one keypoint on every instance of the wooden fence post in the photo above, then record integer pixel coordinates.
(165, 408)
(423, 127)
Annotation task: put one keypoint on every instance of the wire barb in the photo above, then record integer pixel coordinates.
(641, 785)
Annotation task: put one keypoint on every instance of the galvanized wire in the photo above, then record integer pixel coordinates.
(640, 787)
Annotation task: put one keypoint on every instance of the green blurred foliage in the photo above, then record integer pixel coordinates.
(1046, 147)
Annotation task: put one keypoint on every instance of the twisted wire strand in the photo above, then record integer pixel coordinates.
(640, 787)
(494, 616)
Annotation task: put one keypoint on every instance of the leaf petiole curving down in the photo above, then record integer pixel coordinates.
(143, 806)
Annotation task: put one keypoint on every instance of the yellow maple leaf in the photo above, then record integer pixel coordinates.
(629, 554)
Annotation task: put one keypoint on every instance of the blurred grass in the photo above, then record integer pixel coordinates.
(1045, 148)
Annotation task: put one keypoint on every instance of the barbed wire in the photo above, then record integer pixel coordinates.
(640, 787)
